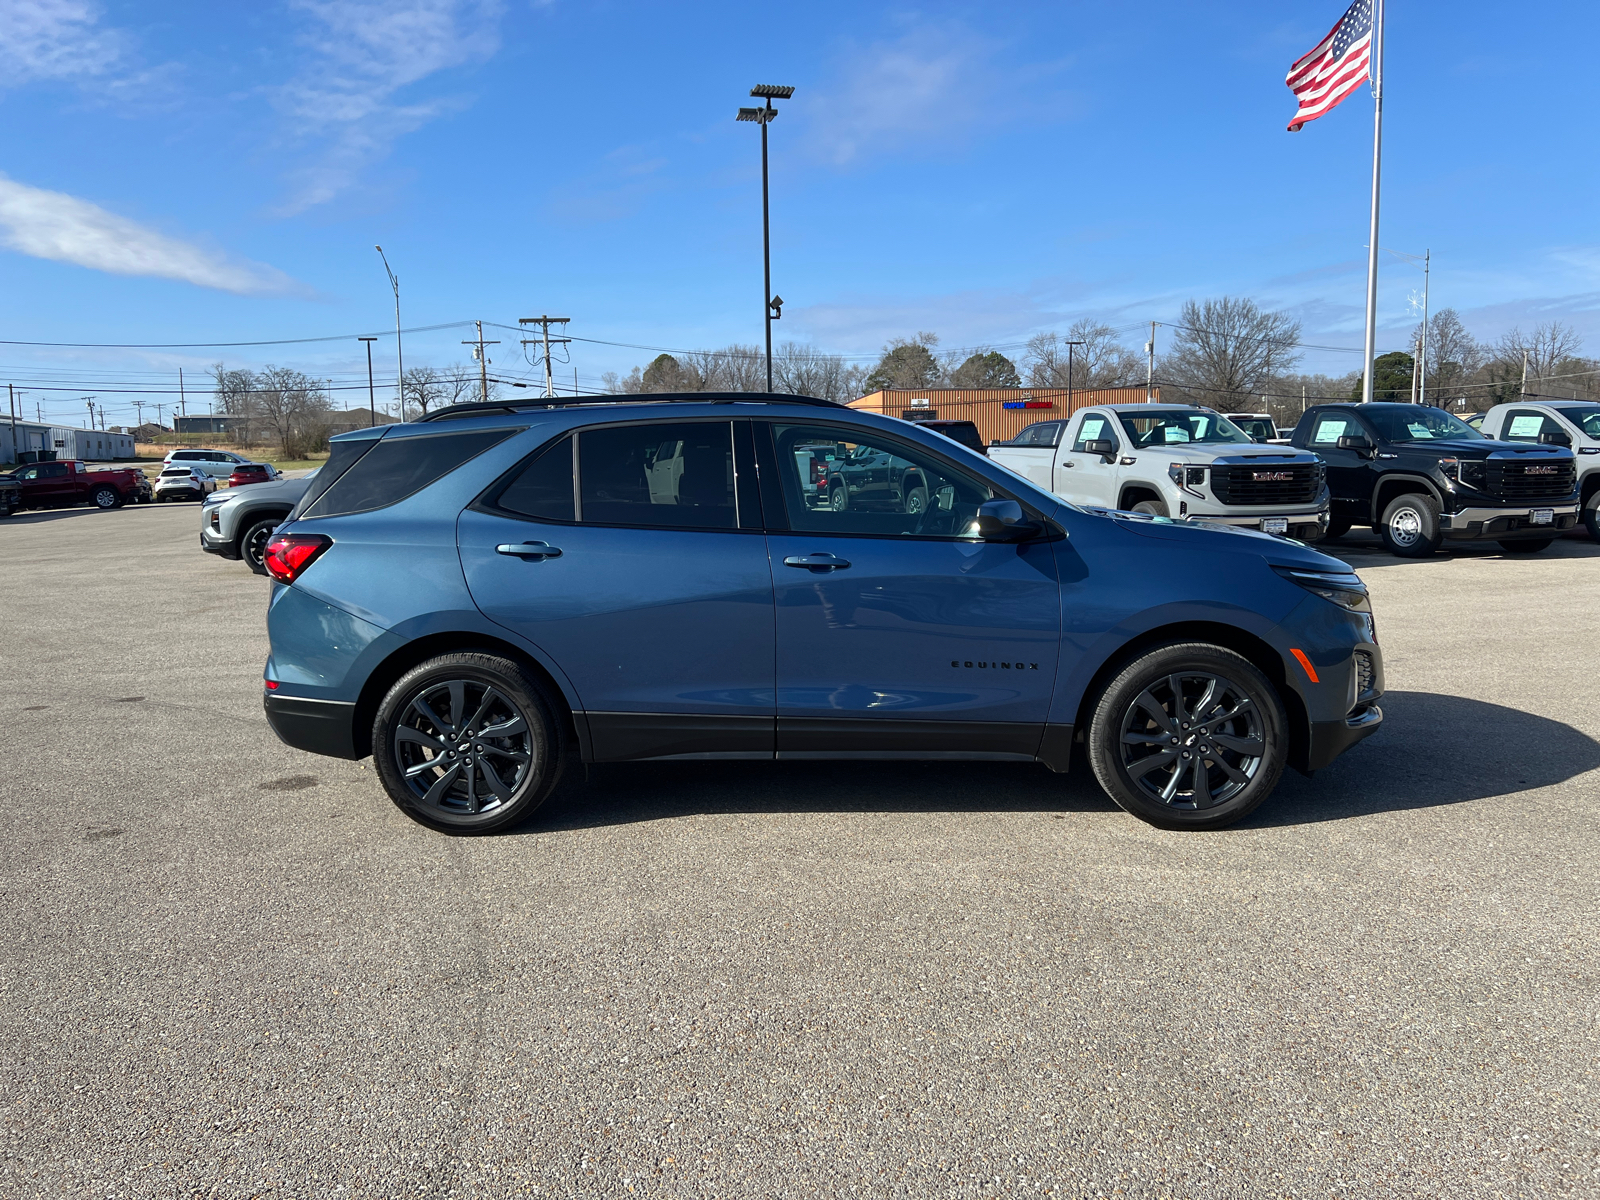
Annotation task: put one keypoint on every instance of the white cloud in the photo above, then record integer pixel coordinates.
(367, 52)
(55, 39)
(62, 228)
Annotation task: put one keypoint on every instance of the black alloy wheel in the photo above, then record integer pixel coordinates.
(839, 499)
(465, 743)
(1189, 736)
(1526, 545)
(253, 545)
(106, 497)
(917, 501)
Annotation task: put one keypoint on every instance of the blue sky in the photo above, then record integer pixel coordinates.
(185, 173)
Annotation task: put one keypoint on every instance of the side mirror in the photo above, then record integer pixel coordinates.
(1357, 442)
(1554, 438)
(1003, 521)
(1104, 447)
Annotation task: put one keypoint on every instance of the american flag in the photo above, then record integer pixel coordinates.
(1335, 67)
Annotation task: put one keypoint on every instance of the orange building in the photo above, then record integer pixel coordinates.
(999, 413)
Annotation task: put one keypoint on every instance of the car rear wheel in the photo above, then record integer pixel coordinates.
(1410, 526)
(1155, 508)
(917, 500)
(1189, 736)
(465, 743)
(838, 499)
(253, 545)
(1527, 545)
(106, 497)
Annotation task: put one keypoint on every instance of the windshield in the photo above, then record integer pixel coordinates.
(1176, 426)
(1257, 427)
(1586, 417)
(1413, 423)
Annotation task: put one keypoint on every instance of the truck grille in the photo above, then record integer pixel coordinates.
(1269, 483)
(1512, 480)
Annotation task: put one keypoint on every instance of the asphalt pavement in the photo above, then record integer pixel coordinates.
(228, 968)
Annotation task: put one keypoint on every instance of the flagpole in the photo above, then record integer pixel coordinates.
(1372, 236)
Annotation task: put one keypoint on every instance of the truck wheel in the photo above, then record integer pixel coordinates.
(465, 743)
(1527, 546)
(839, 499)
(1410, 526)
(106, 497)
(917, 500)
(1155, 508)
(253, 545)
(1189, 736)
(1591, 517)
(1337, 527)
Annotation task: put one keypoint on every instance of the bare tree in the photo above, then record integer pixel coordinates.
(1454, 356)
(630, 384)
(907, 363)
(423, 388)
(805, 371)
(1224, 350)
(1101, 361)
(292, 405)
(731, 369)
(1552, 356)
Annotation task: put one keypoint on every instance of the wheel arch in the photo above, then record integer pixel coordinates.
(255, 517)
(1590, 484)
(1256, 650)
(1392, 487)
(1131, 493)
(386, 673)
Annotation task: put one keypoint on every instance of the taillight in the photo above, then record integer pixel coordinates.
(289, 554)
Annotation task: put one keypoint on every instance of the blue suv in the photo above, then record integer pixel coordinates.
(482, 597)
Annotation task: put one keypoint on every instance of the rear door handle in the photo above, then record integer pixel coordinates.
(528, 550)
(820, 561)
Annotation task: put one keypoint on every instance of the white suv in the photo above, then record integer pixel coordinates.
(1173, 460)
(218, 464)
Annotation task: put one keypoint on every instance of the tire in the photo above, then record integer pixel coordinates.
(1156, 508)
(1527, 545)
(1410, 526)
(470, 687)
(1337, 527)
(1138, 704)
(253, 545)
(839, 499)
(917, 500)
(106, 498)
(1591, 517)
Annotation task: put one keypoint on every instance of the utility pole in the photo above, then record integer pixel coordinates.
(1150, 367)
(544, 323)
(183, 408)
(1523, 393)
(1070, 345)
(11, 396)
(372, 395)
(483, 361)
(1302, 399)
(399, 355)
(138, 410)
(90, 403)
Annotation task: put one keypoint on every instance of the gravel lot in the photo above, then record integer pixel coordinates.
(231, 969)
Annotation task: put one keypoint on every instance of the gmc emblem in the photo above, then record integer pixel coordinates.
(1541, 470)
(1271, 476)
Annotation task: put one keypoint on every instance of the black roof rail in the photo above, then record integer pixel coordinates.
(478, 408)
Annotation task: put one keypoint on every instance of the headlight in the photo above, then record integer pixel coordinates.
(1185, 476)
(1468, 472)
(1347, 591)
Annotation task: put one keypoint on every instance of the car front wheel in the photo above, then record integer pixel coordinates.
(1189, 736)
(1410, 526)
(465, 743)
(1156, 508)
(253, 545)
(1591, 517)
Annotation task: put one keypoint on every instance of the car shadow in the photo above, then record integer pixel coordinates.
(1424, 756)
(1365, 550)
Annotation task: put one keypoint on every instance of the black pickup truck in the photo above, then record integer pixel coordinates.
(1418, 476)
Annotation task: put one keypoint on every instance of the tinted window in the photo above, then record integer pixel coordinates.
(1586, 417)
(187, 456)
(964, 432)
(1095, 428)
(543, 488)
(676, 474)
(1413, 423)
(398, 467)
(882, 487)
(52, 470)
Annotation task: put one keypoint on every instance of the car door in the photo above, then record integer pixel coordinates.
(1041, 468)
(899, 633)
(1351, 473)
(1086, 478)
(632, 556)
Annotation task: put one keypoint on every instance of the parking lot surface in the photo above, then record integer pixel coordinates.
(233, 969)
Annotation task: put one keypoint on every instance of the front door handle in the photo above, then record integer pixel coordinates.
(1069, 463)
(820, 561)
(539, 550)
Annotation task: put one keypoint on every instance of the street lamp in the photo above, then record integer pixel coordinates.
(1070, 345)
(372, 395)
(764, 117)
(400, 358)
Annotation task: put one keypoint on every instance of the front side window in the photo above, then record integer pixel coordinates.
(1330, 427)
(677, 474)
(1413, 423)
(1180, 426)
(1525, 426)
(872, 487)
(1095, 428)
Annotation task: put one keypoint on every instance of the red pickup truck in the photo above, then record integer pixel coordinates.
(67, 482)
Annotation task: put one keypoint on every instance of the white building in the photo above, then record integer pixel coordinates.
(91, 445)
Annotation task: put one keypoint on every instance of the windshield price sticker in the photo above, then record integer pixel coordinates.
(1419, 431)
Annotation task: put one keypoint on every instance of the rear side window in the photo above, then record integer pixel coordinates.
(543, 488)
(186, 456)
(394, 468)
(676, 475)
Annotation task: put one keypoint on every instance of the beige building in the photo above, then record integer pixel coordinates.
(999, 413)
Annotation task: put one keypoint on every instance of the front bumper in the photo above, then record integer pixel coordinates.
(1506, 521)
(1329, 739)
(1296, 523)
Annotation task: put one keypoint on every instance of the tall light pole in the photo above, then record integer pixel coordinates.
(399, 355)
(372, 395)
(1070, 345)
(764, 117)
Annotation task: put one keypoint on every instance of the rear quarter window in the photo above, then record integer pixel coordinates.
(395, 468)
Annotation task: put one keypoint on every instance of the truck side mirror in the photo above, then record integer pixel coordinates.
(1554, 437)
(1357, 442)
(1004, 521)
(1104, 447)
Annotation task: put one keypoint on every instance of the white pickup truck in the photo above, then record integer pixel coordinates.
(1574, 423)
(1173, 460)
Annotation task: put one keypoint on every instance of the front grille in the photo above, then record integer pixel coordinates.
(1238, 484)
(1366, 675)
(1509, 478)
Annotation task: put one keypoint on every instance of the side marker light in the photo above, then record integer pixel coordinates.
(1306, 663)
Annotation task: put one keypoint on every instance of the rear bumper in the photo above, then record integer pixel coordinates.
(317, 726)
(1510, 521)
